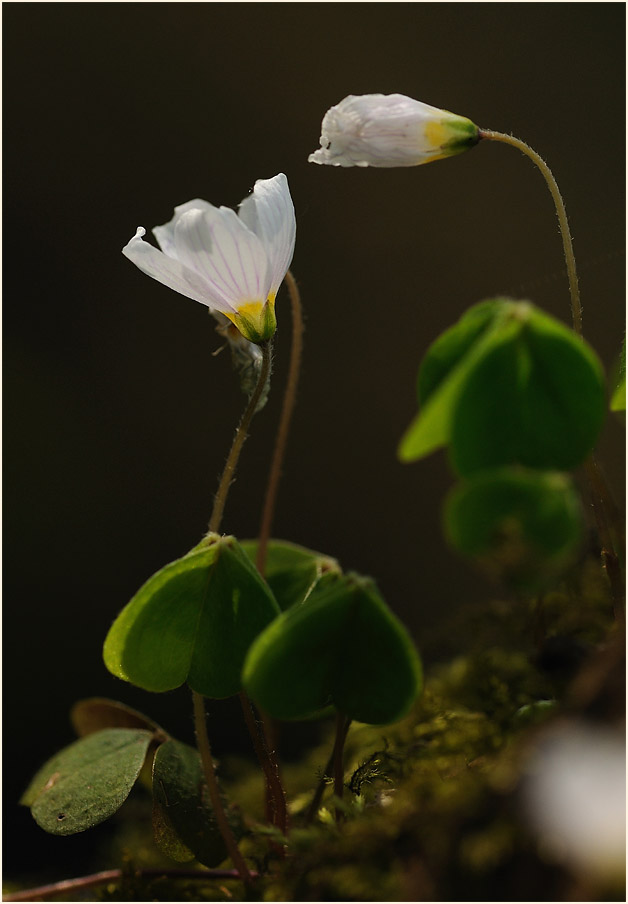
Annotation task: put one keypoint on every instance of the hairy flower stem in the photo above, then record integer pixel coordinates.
(200, 722)
(289, 401)
(238, 441)
(576, 308)
(600, 493)
(209, 771)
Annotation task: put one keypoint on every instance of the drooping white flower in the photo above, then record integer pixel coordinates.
(233, 263)
(390, 130)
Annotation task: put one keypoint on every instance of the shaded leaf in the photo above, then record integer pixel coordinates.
(523, 526)
(183, 820)
(95, 713)
(291, 571)
(88, 781)
(342, 646)
(192, 621)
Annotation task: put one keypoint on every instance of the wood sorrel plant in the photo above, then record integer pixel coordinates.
(204, 619)
(517, 399)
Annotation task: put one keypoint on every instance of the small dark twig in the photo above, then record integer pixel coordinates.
(114, 875)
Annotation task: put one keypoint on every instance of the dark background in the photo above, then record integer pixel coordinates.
(118, 418)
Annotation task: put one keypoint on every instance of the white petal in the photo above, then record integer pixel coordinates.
(219, 247)
(165, 234)
(172, 273)
(269, 213)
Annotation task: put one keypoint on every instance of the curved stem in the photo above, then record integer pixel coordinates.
(115, 875)
(202, 740)
(238, 441)
(289, 401)
(320, 789)
(342, 727)
(576, 308)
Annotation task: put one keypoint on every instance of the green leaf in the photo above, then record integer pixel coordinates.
(342, 646)
(88, 781)
(192, 621)
(523, 526)
(535, 397)
(618, 398)
(447, 366)
(291, 571)
(95, 713)
(184, 824)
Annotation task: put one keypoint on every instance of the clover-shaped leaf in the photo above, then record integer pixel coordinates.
(522, 526)
(342, 646)
(193, 621)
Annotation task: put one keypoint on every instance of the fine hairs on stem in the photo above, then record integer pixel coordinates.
(601, 497)
(200, 722)
(561, 212)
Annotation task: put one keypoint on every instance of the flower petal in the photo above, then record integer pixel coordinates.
(165, 234)
(172, 273)
(269, 213)
(227, 255)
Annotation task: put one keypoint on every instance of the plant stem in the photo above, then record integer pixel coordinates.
(342, 726)
(576, 308)
(238, 441)
(320, 788)
(200, 722)
(114, 875)
(276, 794)
(209, 771)
(289, 401)
(603, 505)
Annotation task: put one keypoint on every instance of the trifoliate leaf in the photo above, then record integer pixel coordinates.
(192, 621)
(342, 646)
(523, 526)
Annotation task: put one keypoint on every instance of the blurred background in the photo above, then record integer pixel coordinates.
(118, 417)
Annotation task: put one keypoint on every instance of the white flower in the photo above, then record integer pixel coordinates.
(575, 797)
(390, 130)
(233, 263)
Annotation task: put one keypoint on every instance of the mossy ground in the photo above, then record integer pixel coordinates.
(431, 808)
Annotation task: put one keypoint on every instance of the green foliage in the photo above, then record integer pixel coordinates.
(508, 385)
(291, 571)
(183, 820)
(341, 646)
(193, 621)
(523, 526)
(88, 781)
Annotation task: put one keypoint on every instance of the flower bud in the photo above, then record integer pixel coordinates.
(390, 130)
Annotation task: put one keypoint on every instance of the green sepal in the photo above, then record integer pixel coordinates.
(341, 647)
(184, 823)
(524, 527)
(193, 622)
(291, 571)
(88, 781)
